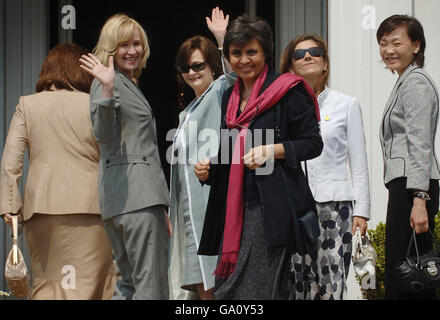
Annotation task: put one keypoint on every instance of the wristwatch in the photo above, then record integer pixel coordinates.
(422, 195)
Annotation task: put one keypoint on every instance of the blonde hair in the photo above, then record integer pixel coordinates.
(118, 29)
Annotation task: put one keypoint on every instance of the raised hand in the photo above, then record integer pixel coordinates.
(217, 24)
(106, 75)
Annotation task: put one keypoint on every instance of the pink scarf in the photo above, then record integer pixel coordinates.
(257, 105)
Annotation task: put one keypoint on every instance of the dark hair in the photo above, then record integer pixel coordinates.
(244, 29)
(61, 68)
(414, 29)
(286, 58)
(209, 51)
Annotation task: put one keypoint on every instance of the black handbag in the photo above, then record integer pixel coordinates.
(306, 227)
(420, 272)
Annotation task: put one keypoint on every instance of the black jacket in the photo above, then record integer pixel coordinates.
(302, 141)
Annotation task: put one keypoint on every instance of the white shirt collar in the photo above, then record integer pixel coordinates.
(321, 97)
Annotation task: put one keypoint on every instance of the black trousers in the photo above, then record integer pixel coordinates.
(399, 232)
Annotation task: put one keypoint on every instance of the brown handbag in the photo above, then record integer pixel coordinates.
(16, 272)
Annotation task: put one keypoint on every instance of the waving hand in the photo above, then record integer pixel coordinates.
(217, 24)
(105, 75)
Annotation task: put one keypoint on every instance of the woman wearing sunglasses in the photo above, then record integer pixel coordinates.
(248, 222)
(199, 66)
(343, 201)
(407, 135)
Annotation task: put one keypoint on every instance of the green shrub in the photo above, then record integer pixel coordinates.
(377, 238)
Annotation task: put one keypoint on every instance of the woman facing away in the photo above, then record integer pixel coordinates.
(248, 222)
(343, 200)
(199, 66)
(407, 137)
(60, 209)
(133, 193)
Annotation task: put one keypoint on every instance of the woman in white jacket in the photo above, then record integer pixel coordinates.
(342, 196)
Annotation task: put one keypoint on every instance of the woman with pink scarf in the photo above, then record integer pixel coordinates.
(269, 125)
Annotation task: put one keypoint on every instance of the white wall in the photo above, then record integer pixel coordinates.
(357, 71)
(427, 11)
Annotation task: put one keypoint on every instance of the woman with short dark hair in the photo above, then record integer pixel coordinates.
(248, 222)
(70, 253)
(407, 136)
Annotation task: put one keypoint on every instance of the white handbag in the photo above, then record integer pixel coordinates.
(16, 273)
(364, 260)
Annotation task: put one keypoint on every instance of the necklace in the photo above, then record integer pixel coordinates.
(243, 103)
(243, 99)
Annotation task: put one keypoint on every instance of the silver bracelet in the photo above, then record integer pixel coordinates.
(422, 195)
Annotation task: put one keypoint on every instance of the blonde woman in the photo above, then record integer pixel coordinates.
(133, 193)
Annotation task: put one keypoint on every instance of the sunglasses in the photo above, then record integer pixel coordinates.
(314, 52)
(196, 67)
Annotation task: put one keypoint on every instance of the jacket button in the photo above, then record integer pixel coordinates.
(107, 161)
(144, 158)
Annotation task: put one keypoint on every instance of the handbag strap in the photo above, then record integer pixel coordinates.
(286, 188)
(358, 242)
(291, 206)
(278, 137)
(15, 240)
(414, 241)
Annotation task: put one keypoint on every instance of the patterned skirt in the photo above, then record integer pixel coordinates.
(262, 272)
(322, 275)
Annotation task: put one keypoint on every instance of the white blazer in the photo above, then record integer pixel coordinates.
(340, 173)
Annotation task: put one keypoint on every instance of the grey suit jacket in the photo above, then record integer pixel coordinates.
(130, 173)
(408, 130)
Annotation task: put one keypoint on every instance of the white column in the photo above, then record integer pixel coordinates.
(426, 11)
(357, 70)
